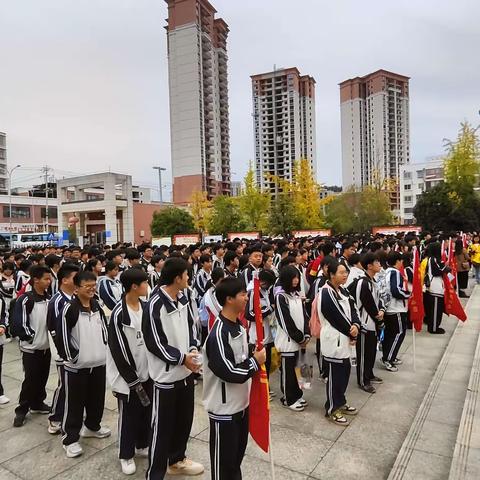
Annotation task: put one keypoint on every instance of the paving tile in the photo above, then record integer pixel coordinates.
(344, 462)
(6, 475)
(45, 461)
(438, 438)
(427, 466)
(21, 440)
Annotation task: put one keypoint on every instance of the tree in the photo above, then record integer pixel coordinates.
(306, 195)
(358, 211)
(226, 216)
(462, 165)
(438, 210)
(253, 203)
(201, 208)
(171, 221)
(282, 218)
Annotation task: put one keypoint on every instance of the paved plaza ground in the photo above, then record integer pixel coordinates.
(305, 444)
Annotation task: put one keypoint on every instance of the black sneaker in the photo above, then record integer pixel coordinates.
(376, 380)
(42, 409)
(438, 331)
(19, 420)
(368, 388)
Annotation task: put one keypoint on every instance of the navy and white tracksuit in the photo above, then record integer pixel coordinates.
(228, 369)
(168, 332)
(127, 368)
(395, 318)
(30, 325)
(337, 313)
(293, 330)
(109, 291)
(83, 338)
(434, 295)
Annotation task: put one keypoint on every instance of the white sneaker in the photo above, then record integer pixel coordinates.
(54, 427)
(4, 399)
(298, 406)
(141, 452)
(104, 432)
(186, 467)
(128, 466)
(73, 450)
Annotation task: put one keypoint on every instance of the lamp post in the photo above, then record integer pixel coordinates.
(10, 199)
(160, 170)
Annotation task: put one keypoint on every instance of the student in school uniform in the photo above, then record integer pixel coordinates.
(201, 282)
(83, 337)
(366, 293)
(127, 370)
(218, 256)
(255, 259)
(109, 287)
(30, 325)
(356, 269)
(3, 330)
(65, 293)
(231, 262)
(167, 327)
(209, 307)
(340, 327)
(228, 369)
(292, 335)
(23, 277)
(53, 262)
(157, 262)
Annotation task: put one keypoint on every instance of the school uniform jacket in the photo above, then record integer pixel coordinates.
(369, 304)
(227, 370)
(343, 261)
(83, 335)
(127, 364)
(435, 270)
(54, 319)
(30, 321)
(168, 332)
(399, 295)
(267, 303)
(337, 313)
(3, 318)
(22, 279)
(247, 274)
(200, 283)
(153, 279)
(7, 288)
(293, 322)
(218, 262)
(109, 291)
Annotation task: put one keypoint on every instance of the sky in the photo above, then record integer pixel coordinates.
(84, 83)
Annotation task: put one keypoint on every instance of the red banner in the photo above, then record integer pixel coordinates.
(452, 302)
(259, 414)
(415, 302)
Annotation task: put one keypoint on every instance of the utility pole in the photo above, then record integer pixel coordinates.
(10, 200)
(46, 170)
(160, 170)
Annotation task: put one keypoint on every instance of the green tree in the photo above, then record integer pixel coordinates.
(171, 221)
(282, 217)
(253, 203)
(462, 165)
(225, 216)
(358, 211)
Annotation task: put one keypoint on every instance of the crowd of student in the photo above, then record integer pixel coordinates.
(153, 322)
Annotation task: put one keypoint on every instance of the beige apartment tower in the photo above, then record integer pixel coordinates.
(199, 125)
(375, 129)
(284, 123)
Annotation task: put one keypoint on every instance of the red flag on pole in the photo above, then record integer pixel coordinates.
(444, 252)
(259, 411)
(452, 262)
(415, 302)
(452, 302)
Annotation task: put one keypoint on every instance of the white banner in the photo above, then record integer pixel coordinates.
(312, 233)
(243, 235)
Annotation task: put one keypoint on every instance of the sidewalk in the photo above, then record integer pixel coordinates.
(305, 445)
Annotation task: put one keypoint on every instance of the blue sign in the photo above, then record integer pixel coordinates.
(65, 235)
(108, 233)
(51, 237)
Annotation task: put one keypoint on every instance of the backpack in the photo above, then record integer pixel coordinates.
(314, 324)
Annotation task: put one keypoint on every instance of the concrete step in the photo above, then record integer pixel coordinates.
(428, 449)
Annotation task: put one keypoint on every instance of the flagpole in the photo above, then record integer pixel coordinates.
(272, 465)
(414, 350)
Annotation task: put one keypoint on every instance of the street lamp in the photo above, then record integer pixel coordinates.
(10, 199)
(160, 170)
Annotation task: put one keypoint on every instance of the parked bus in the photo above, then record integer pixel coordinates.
(22, 240)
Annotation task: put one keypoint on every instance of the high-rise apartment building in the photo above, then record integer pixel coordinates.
(199, 126)
(284, 123)
(375, 129)
(3, 163)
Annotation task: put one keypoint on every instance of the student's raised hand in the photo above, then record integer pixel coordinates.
(260, 356)
(191, 362)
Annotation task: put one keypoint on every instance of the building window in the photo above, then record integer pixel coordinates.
(407, 175)
(17, 212)
(407, 198)
(407, 187)
(52, 212)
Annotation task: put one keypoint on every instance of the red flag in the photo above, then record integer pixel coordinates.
(259, 411)
(464, 240)
(452, 303)
(452, 262)
(444, 252)
(415, 302)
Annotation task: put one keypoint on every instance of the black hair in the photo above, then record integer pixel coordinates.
(287, 274)
(267, 276)
(257, 247)
(353, 259)
(51, 260)
(132, 254)
(434, 249)
(112, 254)
(393, 258)
(84, 277)
(19, 256)
(110, 265)
(228, 287)
(65, 270)
(174, 267)
(368, 259)
(458, 246)
(25, 265)
(37, 257)
(332, 268)
(347, 244)
(38, 271)
(205, 257)
(285, 262)
(8, 266)
(327, 248)
(217, 274)
(229, 257)
(216, 247)
(133, 276)
(242, 262)
(91, 264)
(157, 258)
